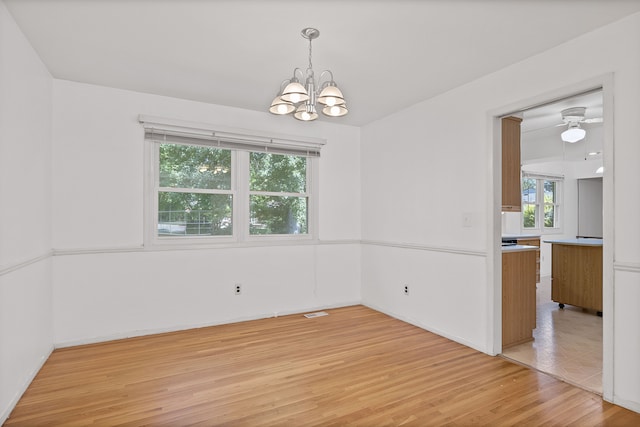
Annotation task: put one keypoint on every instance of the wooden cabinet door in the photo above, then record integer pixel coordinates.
(576, 275)
(518, 297)
(533, 242)
(511, 193)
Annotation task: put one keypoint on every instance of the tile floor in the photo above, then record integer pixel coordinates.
(567, 342)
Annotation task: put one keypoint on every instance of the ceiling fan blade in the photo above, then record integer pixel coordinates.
(542, 128)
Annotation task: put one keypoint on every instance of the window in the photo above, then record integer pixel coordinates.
(195, 194)
(541, 202)
(278, 200)
(208, 188)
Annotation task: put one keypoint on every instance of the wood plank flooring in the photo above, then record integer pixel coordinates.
(353, 367)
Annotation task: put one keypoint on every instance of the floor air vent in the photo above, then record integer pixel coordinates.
(316, 314)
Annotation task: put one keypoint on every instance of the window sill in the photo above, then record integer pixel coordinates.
(258, 241)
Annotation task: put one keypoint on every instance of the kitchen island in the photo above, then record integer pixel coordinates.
(518, 294)
(576, 273)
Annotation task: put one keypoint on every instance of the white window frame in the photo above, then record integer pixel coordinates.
(539, 205)
(246, 142)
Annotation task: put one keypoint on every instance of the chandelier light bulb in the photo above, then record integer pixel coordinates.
(335, 110)
(294, 92)
(306, 113)
(280, 107)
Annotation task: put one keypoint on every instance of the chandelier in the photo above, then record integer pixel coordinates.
(302, 100)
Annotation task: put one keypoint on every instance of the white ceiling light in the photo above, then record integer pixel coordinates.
(573, 134)
(572, 117)
(301, 100)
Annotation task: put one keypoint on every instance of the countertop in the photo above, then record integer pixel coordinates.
(576, 242)
(520, 236)
(519, 248)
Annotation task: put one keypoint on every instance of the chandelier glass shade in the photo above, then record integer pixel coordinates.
(302, 100)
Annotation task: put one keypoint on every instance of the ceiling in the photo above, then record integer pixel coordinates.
(385, 55)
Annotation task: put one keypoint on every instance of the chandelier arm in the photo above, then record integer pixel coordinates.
(298, 70)
(323, 85)
(284, 83)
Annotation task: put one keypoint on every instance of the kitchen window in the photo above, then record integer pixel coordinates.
(541, 202)
(207, 186)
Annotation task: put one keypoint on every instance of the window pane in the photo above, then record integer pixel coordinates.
(278, 215)
(192, 166)
(528, 191)
(195, 214)
(549, 216)
(529, 216)
(550, 192)
(278, 173)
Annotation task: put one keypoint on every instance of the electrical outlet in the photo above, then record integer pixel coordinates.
(238, 288)
(406, 289)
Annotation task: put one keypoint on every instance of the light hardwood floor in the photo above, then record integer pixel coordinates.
(567, 342)
(353, 367)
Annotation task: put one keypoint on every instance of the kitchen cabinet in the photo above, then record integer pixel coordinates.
(511, 193)
(533, 241)
(518, 295)
(576, 273)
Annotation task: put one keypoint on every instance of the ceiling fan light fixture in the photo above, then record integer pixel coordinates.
(573, 134)
(573, 114)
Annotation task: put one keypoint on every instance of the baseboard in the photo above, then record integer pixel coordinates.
(16, 398)
(428, 328)
(176, 328)
(628, 404)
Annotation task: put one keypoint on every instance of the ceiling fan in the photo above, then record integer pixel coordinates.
(572, 117)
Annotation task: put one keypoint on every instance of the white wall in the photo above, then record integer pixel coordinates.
(26, 337)
(426, 168)
(106, 285)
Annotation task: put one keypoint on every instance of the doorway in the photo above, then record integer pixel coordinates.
(568, 342)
